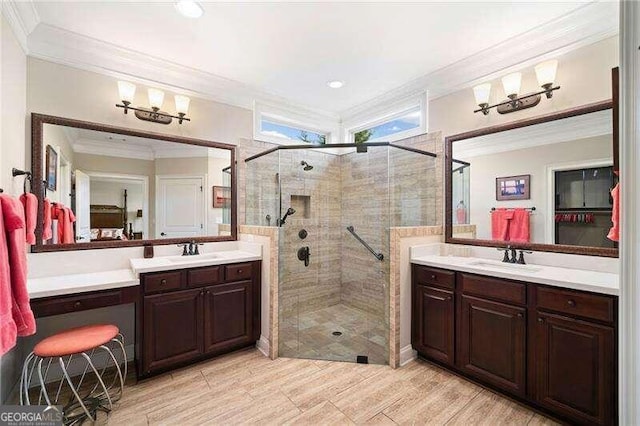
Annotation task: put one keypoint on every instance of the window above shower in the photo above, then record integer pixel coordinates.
(284, 126)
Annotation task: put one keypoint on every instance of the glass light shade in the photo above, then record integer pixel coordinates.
(126, 90)
(182, 104)
(482, 92)
(156, 98)
(546, 72)
(511, 83)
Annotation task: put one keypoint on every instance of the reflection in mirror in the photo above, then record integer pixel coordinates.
(113, 187)
(547, 183)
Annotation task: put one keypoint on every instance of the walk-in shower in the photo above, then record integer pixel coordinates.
(334, 253)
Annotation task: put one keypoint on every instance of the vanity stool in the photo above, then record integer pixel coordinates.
(78, 348)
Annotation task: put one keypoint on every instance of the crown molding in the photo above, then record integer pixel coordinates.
(569, 129)
(587, 25)
(23, 18)
(143, 152)
(64, 47)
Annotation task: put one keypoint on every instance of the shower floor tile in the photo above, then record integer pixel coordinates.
(311, 336)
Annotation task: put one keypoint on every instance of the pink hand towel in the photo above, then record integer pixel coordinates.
(8, 330)
(47, 232)
(614, 233)
(519, 226)
(13, 214)
(30, 206)
(500, 219)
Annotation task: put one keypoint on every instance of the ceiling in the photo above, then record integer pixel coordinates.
(292, 49)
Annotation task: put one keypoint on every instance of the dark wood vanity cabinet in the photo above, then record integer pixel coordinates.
(492, 342)
(190, 314)
(552, 348)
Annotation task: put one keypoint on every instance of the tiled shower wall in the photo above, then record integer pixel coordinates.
(385, 187)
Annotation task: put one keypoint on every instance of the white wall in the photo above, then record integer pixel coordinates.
(13, 141)
(532, 161)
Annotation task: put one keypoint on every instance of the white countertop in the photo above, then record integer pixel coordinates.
(578, 279)
(80, 283)
(154, 264)
(118, 277)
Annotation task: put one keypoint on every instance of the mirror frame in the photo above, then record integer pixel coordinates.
(37, 125)
(555, 248)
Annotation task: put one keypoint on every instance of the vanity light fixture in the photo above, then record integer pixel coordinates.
(545, 73)
(127, 92)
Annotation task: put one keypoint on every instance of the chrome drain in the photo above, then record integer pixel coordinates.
(337, 333)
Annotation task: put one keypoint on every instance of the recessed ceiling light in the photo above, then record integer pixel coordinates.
(335, 84)
(190, 9)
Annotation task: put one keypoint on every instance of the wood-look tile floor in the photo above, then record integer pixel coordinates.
(247, 388)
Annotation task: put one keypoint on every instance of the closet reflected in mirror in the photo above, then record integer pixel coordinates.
(546, 183)
(100, 186)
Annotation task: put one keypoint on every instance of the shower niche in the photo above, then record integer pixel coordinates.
(302, 205)
(334, 305)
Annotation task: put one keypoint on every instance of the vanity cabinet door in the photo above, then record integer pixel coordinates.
(433, 320)
(492, 342)
(575, 368)
(173, 329)
(228, 314)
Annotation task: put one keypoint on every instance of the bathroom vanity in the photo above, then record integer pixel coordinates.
(549, 346)
(193, 313)
(187, 308)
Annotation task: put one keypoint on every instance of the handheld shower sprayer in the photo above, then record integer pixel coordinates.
(290, 211)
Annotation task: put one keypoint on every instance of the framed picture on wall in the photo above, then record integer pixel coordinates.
(513, 188)
(51, 171)
(221, 197)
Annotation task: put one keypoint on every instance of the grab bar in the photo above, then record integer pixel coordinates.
(378, 256)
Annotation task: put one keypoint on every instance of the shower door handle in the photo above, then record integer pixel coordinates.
(304, 254)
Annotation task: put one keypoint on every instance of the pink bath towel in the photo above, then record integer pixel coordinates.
(500, 219)
(8, 330)
(65, 218)
(47, 231)
(30, 205)
(614, 232)
(15, 289)
(519, 226)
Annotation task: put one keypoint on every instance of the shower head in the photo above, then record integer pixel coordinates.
(290, 211)
(306, 165)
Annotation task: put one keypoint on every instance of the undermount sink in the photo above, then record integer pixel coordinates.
(193, 258)
(505, 266)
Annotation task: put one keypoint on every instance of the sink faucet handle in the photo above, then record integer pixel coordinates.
(521, 257)
(505, 259)
(184, 246)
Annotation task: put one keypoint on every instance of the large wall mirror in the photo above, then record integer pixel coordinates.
(101, 186)
(542, 183)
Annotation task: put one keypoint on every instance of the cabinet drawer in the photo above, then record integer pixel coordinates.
(435, 277)
(581, 304)
(64, 305)
(494, 288)
(239, 271)
(204, 276)
(154, 283)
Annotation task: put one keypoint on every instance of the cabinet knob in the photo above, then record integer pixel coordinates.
(571, 302)
(77, 304)
(239, 271)
(433, 277)
(519, 315)
(540, 319)
(163, 281)
(208, 291)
